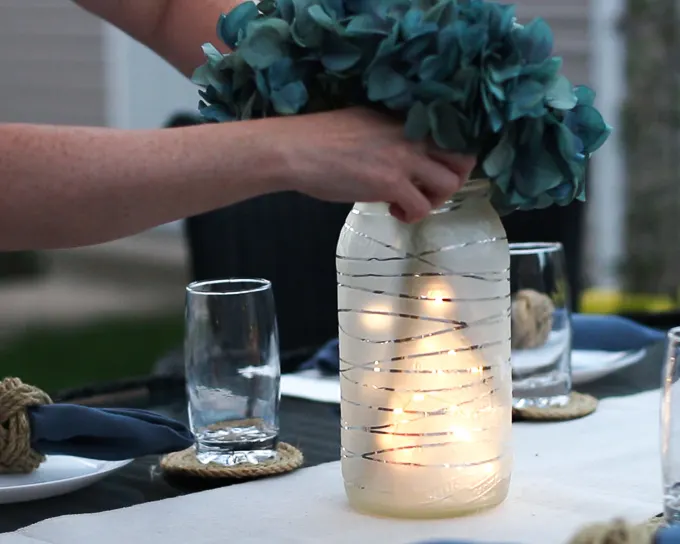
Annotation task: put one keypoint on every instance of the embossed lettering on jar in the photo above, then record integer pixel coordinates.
(424, 317)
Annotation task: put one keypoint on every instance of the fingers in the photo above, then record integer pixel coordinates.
(409, 203)
(435, 177)
(456, 162)
(436, 181)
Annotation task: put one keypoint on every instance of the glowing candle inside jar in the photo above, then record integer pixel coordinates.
(432, 441)
(424, 360)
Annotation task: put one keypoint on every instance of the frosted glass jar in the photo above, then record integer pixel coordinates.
(424, 328)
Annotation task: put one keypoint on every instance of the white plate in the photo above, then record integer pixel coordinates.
(58, 475)
(312, 385)
(588, 366)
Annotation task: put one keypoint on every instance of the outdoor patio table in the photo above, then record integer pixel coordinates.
(566, 474)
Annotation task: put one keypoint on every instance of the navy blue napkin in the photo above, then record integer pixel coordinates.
(611, 333)
(666, 535)
(590, 332)
(107, 434)
(454, 542)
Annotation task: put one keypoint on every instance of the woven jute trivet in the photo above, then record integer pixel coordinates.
(579, 405)
(184, 463)
(657, 522)
(617, 532)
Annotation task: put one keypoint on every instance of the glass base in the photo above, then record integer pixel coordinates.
(233, 458)
(236, 446)
(671, 510)
(540, 402)
(358, 501)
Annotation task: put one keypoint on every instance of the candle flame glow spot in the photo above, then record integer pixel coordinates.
(461, 434)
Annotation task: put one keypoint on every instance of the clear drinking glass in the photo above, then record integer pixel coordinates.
(541, 325)
(232, 370)
(670, 429)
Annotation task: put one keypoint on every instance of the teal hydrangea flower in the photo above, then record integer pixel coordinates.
(464, 73)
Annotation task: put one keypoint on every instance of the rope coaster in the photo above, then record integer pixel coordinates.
(16, 454)
(657, 522)
(616, 532)
(184, 463)
(579, 405)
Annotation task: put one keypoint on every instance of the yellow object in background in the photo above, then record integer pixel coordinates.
(598, 301)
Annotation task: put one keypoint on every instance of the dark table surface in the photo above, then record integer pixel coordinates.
(311, 426)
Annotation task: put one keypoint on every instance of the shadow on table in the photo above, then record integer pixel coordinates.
(637, 378)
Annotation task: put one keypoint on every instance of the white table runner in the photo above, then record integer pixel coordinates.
(566, 474)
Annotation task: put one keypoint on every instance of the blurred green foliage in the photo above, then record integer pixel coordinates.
(59, 358)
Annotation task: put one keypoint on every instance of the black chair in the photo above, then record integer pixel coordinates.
(289, 239)
(554, 224)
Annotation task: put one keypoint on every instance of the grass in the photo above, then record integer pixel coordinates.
(59, 358)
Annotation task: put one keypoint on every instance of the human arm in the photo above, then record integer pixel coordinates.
(175, 29)
(74, 186)
(67, 186)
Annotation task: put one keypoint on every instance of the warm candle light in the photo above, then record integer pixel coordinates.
(426, 397)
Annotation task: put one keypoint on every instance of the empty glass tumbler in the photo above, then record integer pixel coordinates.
(541, 325)
(670, 428)
(232, 370)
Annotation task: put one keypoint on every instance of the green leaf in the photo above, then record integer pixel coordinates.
(500, 158)
(535, 41)
(335, 8)
(441, 13)
(202, 75)
(590, 127)
(495, 117)
(384, 83)
(446, 126)
(429, 91)
(338, 54)
(262, 85)
(247, 111)
(290, 99)
(367, 24)
(304, 30)
(417, 123)
(214, 113)
(584, 95)
(212, 54)
(264, 43)
(413, 24)
(560, 95)
(268, 7)
(322, 18)
(231, 25)
(281, 73)
(541, 174)
(524, 98)
(400, 102)
(432, 68)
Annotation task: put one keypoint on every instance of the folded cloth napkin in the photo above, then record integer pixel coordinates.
(611, 333)
(668, 535)
(106, 434)
(590, 332)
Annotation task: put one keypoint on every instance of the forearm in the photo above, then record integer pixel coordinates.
(175, 29)
(67, 187)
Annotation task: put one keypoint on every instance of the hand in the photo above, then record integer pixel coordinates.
(356, 155)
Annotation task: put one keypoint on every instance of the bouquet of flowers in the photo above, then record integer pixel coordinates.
(464, 73)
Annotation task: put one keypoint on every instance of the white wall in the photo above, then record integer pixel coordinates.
(142, 89)
(606, 190)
